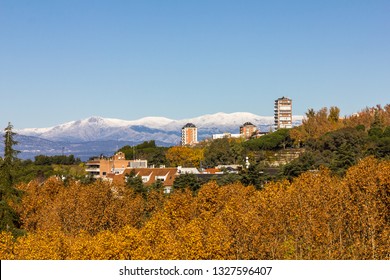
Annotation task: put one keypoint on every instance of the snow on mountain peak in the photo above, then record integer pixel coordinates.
(96, 135)
(97, 128)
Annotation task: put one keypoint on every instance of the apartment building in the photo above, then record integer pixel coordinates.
(283, 113)
(189, 134)
(102, 166)
(247, 130)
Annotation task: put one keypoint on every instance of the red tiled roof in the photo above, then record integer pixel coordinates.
(212, 170)
(168, 173)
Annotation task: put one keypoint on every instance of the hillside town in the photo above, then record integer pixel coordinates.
(117, 168)
(149, 202)
(157, 140)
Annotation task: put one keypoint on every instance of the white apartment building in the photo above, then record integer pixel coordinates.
(283, 113)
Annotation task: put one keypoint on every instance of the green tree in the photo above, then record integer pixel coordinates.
(386, 132)
(187, 181)
(147, 150)
(227, 179)
(273, 141)
(375, 132)
(135, 182)
(383, 148)
(8, 193)
(157, 185)
(64, 160)
(254, 176)
(10, 158)
(310, 160)
(223, 151)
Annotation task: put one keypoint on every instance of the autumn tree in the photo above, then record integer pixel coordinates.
(184, 156)
(334, 114)
(317, 215)
(316, 123)
(370, 117)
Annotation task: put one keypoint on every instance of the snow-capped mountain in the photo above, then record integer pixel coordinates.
(78, 136)
(164, 129)
(94, 129)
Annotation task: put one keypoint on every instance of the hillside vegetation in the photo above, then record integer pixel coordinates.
(331, 202)
(316, 216)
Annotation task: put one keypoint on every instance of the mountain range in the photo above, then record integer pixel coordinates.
(97, 135)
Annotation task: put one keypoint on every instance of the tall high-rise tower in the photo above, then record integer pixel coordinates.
(283, 113)
(189, 134)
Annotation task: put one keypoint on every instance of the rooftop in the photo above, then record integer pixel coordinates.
(189, 125)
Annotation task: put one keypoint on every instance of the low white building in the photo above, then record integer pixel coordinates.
(226, 135)
(187, 170)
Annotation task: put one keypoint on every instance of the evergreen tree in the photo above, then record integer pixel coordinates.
(254, 176)
(9, 220)
(187, 180)
(10, 157)
(135, 182)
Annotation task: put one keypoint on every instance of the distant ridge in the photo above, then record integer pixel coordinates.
(98, 128)
(106, 134)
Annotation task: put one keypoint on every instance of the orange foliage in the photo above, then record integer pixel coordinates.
(316, 216)
(316, 124)
(76, 207)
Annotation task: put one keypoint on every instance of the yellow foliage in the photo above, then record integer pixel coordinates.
(185, 156)
(6, 246)
(316, 216)
(42, 245)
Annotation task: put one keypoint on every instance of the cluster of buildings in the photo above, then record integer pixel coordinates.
(102, 167)
(117, 168)
(282, 119)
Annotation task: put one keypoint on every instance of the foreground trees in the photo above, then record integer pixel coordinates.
(315, 216)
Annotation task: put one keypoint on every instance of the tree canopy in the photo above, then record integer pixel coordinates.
(315, 216)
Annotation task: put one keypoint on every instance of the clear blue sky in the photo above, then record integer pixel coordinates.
(71, 59)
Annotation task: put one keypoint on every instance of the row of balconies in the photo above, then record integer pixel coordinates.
(92, 169)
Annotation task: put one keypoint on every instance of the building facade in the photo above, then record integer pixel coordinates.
(283, 113)
(189, 134)
(150, 176)
(226, 135)
(99, 168)
(247, 130)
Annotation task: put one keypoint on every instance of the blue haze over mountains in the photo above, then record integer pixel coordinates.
(103, 136)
